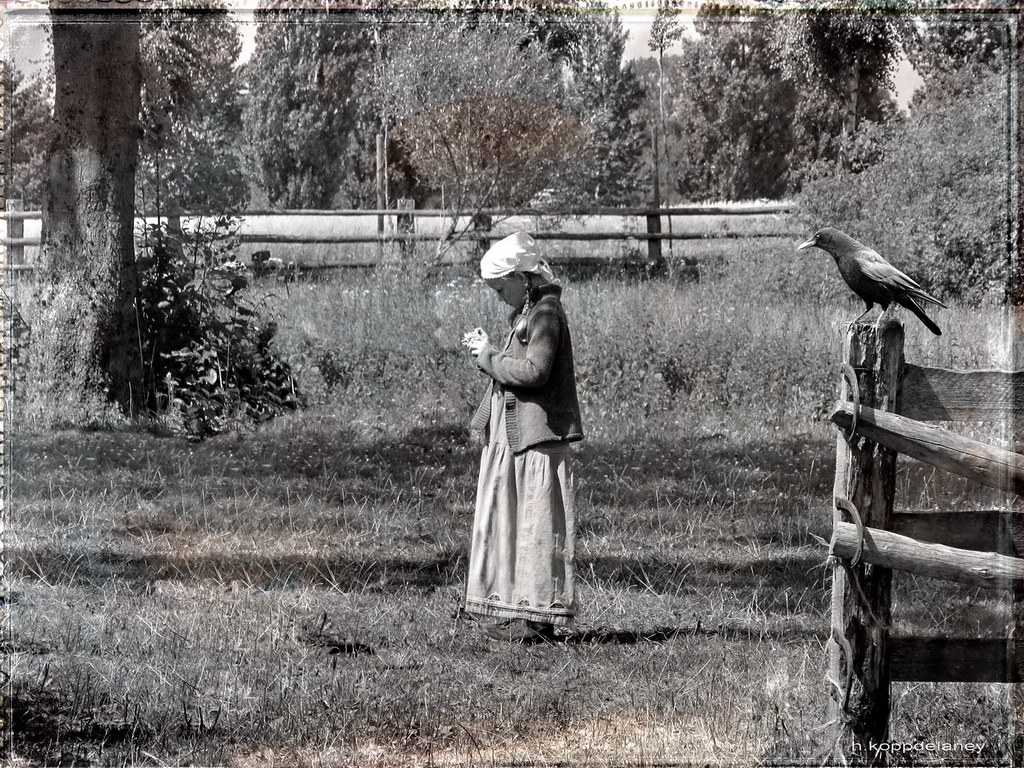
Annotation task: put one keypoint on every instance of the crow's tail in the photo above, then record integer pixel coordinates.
(913, 306)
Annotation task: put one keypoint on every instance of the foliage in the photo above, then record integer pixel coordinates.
(939, 211)
(191, 117)
(752, 101)
(29, 135)
(605, 95)
(206, 353)
(479, 113)
(370, 118)
(301, 109)
(944, 44)
(849, 58)
(666, 31)
(732, 114)
(495, 132)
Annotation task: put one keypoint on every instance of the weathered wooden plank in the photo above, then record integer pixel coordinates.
(957, 660)
(938, 447)
(755, 209)
(865, 476)
(993, 530)
(475, 236)
(20, 242)
(937, 561)
(938, 394)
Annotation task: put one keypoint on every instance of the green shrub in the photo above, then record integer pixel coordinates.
(929, 192)
(206, 351)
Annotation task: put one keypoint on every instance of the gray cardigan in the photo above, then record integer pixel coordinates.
(538, 375)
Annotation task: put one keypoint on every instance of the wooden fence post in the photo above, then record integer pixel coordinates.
(482, 222)
(15, 231)
(380, 168)
(861, 602)
(405, 223)
(655, 260)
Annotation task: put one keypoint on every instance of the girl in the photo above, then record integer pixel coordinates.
(521, 570)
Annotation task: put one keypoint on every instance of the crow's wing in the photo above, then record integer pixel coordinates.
(880, 270)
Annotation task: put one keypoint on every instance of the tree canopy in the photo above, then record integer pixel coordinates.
(191, 115)
(732, 114)
(605, 95)
(29, 134)
(300, 109)
(479, 111)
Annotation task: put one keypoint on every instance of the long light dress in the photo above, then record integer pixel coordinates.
(524, 530)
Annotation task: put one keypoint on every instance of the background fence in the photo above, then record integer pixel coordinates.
(285, 233)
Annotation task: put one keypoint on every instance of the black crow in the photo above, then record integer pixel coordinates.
(871, 277)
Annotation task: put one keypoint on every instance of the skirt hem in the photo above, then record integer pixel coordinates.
(559, 617)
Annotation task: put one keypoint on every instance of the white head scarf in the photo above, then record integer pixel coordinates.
(515, 253)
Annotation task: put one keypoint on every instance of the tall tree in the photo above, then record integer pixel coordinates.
(29, 135)
(301, 106)
(479, 112)
(733, 114)
(191, 114)
(851, 56)
(666, 31)
(606, 96)
(83, 355)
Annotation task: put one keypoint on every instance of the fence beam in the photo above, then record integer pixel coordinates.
(471, 236)
(861, 594)
(957, 660)
(16, 233)
(985, 464)
(893, 551)
(990, 530)
(938, 394)
(757, 209)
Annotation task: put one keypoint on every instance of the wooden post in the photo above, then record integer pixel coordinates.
(15, 231)
(861, 604)
(405, 223)
(380, 195)
(655, 261)
(482, 222)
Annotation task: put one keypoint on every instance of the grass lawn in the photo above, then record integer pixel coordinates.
(289, 596)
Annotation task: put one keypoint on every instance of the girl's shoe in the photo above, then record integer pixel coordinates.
(520, 631)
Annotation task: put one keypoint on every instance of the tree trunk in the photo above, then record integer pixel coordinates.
(850, 115)
(86, 349)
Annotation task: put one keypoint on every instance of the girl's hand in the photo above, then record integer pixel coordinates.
(475, 341)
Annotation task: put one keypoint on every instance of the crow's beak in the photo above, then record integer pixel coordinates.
(809, 244)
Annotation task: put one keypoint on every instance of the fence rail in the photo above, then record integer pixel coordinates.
(468, 237)
(745, 209)
(977, 461)
(957, 659)
(938, 561)
(884, 404)
(478, 228)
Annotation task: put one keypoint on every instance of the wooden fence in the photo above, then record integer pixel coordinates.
(885, 402)
(399, 226)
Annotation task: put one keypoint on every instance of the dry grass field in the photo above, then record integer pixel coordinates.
(289, 596)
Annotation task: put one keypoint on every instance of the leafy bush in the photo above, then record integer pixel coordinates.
(934, 197)
(206, 353)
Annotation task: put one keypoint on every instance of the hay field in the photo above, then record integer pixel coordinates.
(289, 596)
